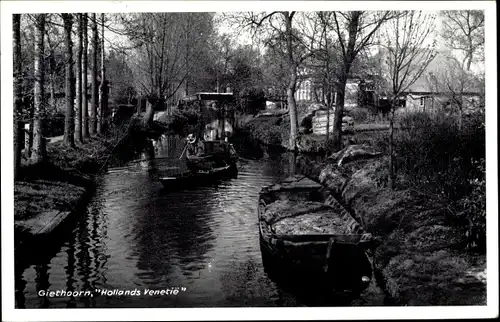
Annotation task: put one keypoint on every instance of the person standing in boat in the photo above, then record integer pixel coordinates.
(195, 153)
(195, 148)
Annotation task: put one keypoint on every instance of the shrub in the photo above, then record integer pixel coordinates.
(360, 115)
(251, 100)
(432, 151)
(472, 209)
(265, 129)
(184, 121)
(435, 155)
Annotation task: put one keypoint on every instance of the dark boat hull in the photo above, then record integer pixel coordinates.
(197, 179)
(334, 261)
(343, 271)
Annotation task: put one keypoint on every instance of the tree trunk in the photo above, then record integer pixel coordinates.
(460, 116)
(53, 91)
(93, 103)
(16, 19)
(337, 119)
(392, 174)
(85, 112)
(102, 88)
(78, 118)
(328, 107)
(38, 154)
(68, 122)
(470, 53)
(187, 62)
(349, 57)
(292, 163)
(290, 91)
(30, 131)
(150, 111)
(52, 76)
(139, 106)
(292, 108)
(327, 86)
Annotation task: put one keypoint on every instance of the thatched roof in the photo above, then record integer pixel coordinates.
(443, 70)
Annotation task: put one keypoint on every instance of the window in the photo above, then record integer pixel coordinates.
(422, 101)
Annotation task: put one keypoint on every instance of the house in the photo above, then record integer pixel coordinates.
(359, 91)
(443, 84)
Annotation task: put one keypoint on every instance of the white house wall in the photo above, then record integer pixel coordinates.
(432, 102)
(305, 93)
(351, 95)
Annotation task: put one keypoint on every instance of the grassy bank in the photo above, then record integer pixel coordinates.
(423, 257)
(267, 130)
(432, 226)
(46, 192)
(430, 250)
(273, 130)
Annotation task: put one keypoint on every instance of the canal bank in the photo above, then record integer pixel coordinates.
(273, 131)
(46, 194)
(134, 234)
(206, 239)
(421, 258)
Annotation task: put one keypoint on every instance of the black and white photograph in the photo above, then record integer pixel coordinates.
(214, 159)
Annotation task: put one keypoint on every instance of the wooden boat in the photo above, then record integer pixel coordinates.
(196, 178)
(306, 231)
(220, 152)
(221, 149)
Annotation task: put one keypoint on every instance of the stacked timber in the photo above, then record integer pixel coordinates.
(319, 122)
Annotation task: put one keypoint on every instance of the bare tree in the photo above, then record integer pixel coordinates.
(79, 76)
(93, 103)
(407, 58)
(222, 52)
(85, 112)
(329, 64)
(290, 91)
(161, 64)
(295, 50)
(53, 42)
(103, 99)
(275, 75)
(16, 21)
(187, 41)
(355, 31)
(69, 118)
(456, 83)
(463, 30)
(38, 154)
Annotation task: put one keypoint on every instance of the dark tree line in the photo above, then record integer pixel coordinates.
(45, 59)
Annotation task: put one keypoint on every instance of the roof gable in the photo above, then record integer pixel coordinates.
(442, 71)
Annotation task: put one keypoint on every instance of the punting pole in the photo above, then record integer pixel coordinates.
(182, 154)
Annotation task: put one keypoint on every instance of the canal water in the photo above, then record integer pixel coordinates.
(133, 235)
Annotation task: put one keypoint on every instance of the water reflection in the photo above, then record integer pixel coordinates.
(42, 283)
(20, 286)
(70, 272)
(83, 257)
(134, 235)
